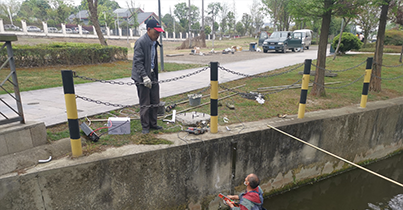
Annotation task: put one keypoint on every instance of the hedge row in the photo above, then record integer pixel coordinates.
(394, 37)
(64, 54)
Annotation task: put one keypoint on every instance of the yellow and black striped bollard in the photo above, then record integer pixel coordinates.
(367, 79)
(214, 97)
(72, 116)
(304, 88)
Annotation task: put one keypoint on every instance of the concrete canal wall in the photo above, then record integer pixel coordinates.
(189, 175)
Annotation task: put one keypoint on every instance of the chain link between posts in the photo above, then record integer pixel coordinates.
(339, 70)
(393, 78)
(258, 76)
(116, 105)
(340, 86)
(390, 66)
(263, 94)
(139, 83)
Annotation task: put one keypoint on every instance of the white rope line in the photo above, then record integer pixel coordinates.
(340, 158)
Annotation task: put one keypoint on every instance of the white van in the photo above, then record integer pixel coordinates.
(307, 37)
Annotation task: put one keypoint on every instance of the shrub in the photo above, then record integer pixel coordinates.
(64, 54)
(348, 42)
(393, 37)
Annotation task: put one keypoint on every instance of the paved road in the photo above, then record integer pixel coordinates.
(48, 105)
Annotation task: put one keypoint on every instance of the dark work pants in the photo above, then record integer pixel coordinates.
(147, 96)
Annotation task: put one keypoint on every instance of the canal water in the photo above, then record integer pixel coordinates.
(352, 190)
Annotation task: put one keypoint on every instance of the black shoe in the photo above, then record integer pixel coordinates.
(145, 131)
(157, 127)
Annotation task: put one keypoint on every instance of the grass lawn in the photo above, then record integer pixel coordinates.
(47, 77)
(246, 110)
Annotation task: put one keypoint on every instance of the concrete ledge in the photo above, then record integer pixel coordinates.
(22, 161)
(17, 137)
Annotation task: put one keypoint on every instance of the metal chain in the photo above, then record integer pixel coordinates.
(140, 83)
(393, 78)
(184, 98)
(390, 66)
(184, 76)
(263, 94)
(340, 86)
(339, 70)
(288, 87)
(260, 76)
(114, 105)
(104, 81)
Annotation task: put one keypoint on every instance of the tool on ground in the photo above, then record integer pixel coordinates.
(89, 132)
(45, 161)
(170, 107)
(227, 200)
(196, 130)
(173, 117)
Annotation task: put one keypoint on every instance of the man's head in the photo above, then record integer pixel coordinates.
(154, 29)
(252, 180)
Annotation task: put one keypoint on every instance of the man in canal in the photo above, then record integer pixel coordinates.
(145, 75)
(252, 198)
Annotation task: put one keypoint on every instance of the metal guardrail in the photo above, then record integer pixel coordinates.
(7, 39)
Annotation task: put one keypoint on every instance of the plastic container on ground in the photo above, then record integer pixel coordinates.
(194, 99)
(252, 46)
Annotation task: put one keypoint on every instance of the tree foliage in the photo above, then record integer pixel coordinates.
(324, 9)
(213, 9)
(240, 28)
(10, 7)
(368, 19)
(279, 13)
(181, 12)
(93, 7)
(247, 22)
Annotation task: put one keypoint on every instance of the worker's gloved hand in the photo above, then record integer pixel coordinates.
(147, 82)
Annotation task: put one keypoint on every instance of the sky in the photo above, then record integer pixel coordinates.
(241, 6)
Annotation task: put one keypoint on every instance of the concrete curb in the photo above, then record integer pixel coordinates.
(20, 161)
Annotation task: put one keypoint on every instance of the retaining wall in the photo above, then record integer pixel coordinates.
(190, 175)
(16, 137)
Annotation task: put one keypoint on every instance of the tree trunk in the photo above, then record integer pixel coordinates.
(401, 54)
(203, 38)
(318, 87)
(366, 34)
(341, 34)
(375, 83)
(93, 7)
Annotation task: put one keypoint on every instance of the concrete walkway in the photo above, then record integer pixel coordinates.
(48, 105)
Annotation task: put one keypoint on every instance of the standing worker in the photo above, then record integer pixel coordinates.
(145, 71)
(252, 198)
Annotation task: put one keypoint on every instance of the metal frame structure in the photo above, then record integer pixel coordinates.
(7, 39)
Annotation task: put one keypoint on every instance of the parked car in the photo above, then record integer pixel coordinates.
(33, 29)
(68, 31)
(85, 31)
(52, 30)
(306, 37)
(11, 27)
(283, 41)
(75, 30)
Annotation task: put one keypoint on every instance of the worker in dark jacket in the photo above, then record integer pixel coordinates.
(252, 198)
(145, 75)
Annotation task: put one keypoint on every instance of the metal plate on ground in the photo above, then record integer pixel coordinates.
(192, 118)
